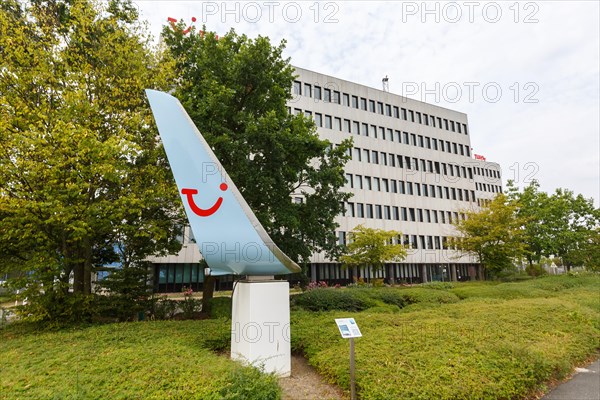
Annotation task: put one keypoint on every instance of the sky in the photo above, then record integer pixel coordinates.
(527, 74)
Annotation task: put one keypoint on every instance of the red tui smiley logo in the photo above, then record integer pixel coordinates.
(189, 193)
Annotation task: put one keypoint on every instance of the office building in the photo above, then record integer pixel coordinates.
(412, 170)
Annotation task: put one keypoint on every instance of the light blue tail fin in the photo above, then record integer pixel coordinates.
(230, 237)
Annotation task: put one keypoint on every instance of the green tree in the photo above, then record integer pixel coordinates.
(493, 234)
(369, 247)
(561, 224)
(236, 89)
(534, 209)
(83, 178)
(572, 226)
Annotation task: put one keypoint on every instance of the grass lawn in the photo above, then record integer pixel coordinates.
(460, 341)
(153, 360)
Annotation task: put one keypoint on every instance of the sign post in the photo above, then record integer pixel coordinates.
(349, 330)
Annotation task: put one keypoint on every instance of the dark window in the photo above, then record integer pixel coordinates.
(317, 92)
(347, 125)
(386, 185)
(345, 99)
(375, 157)
(319, 120)
(383, 158)
(297, 87)
(372, 105)
(307, 90)
(336, 97)
(360, 210)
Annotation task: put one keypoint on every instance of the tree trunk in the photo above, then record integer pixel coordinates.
(78, 277)
(87, 270)
(208, 290)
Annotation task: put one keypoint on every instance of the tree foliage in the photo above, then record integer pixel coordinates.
(372, 247)
(493, 234)
(534, 225)
(83, 178)
(235, 89)
(562, 224)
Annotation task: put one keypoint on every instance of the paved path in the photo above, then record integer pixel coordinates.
(585, 385)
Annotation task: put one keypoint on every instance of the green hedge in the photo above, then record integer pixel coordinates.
(359, 299)
(326, 299)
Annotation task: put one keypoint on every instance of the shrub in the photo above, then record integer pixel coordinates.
(390, 296)
(438, 285)
(384, 309)
(315, 285)
(250, 383)
(56, 308)
(162, 308)
(332, 299)
(125, 293)
(377, 282)
(422, 295)
(535, 270)
(189, 305)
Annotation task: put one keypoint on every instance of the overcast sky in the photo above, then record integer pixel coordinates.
(527, 74)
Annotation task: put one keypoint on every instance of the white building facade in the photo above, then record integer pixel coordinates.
(412, 170)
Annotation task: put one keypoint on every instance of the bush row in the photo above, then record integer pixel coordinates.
(359, 299)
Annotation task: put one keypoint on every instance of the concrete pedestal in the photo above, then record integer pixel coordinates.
(260, 324)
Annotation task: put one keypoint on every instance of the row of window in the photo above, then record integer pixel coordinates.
(487, 172)
(410, 188)
(486, 187)
(401, 272)
(407, 214)
(425, 242)
(361, 128)
(411, 163)
(329, 95)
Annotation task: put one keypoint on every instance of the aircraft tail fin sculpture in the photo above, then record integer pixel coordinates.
(230, 237)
